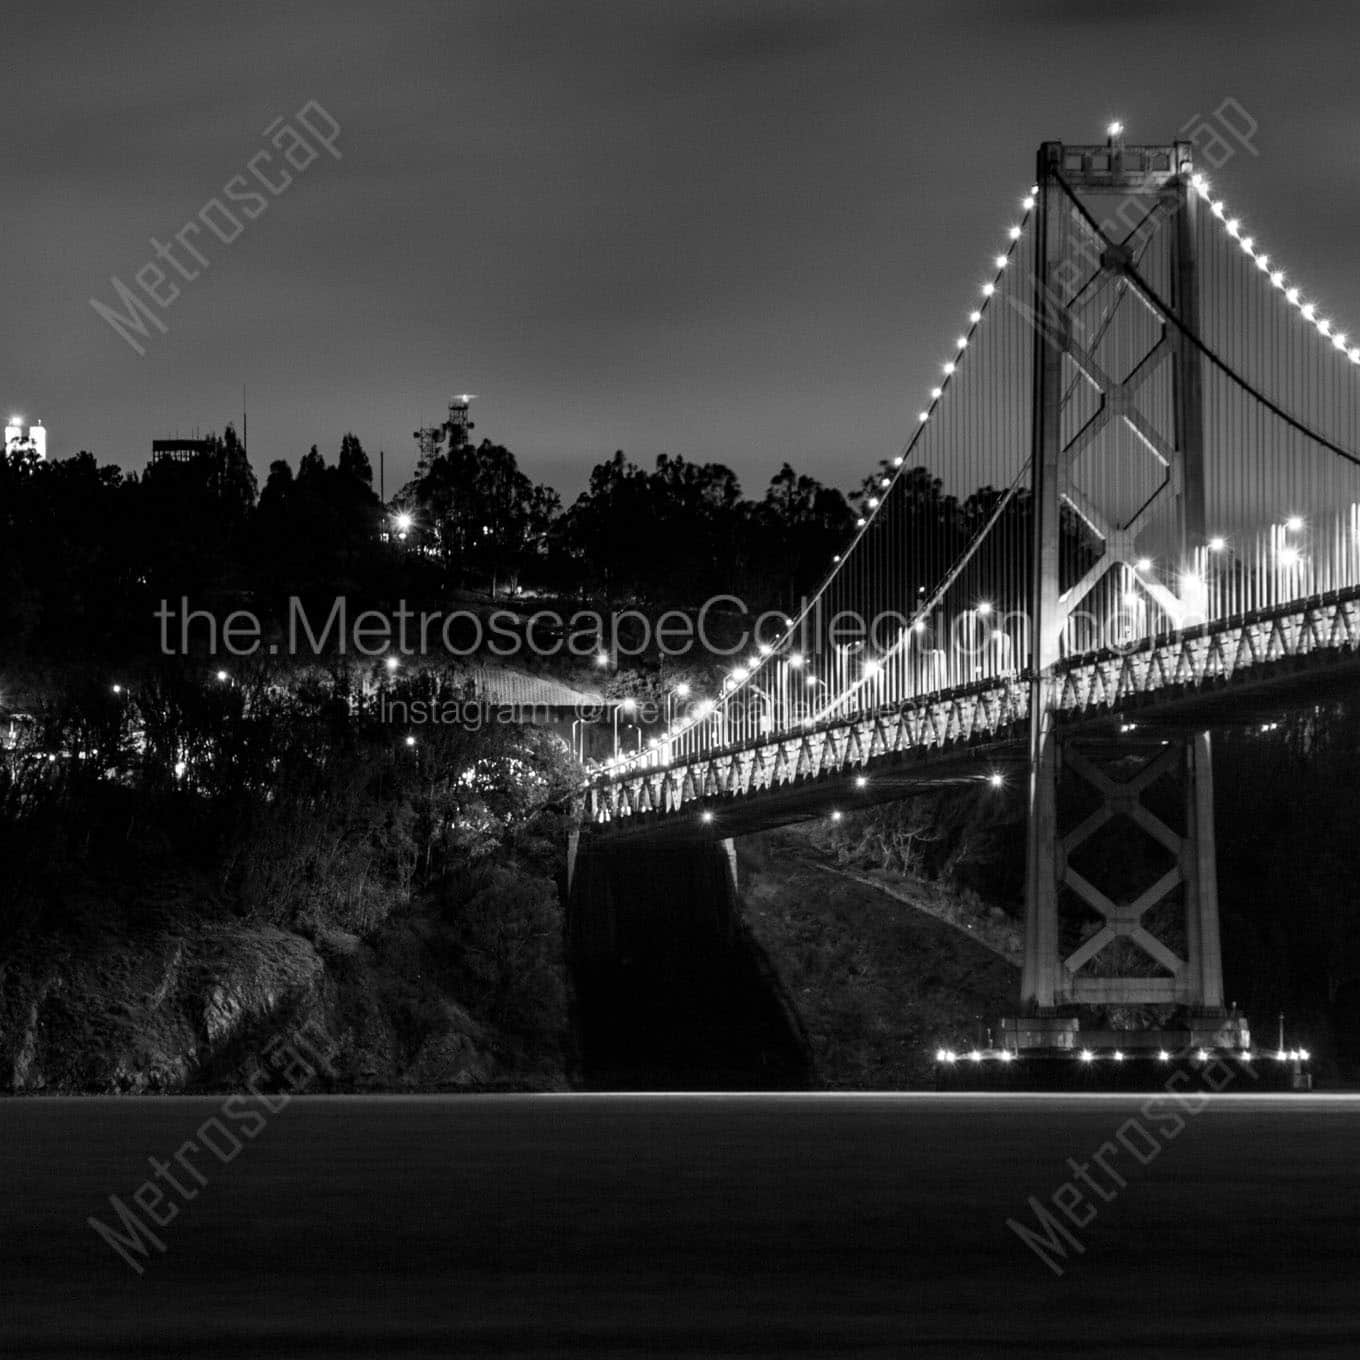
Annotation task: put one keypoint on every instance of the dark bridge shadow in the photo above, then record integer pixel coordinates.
(672, 992)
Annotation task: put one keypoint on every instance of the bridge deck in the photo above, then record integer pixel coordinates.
(1227, 671)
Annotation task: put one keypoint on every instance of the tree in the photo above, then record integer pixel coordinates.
(488, 517)
(354, 461)
(313, 465)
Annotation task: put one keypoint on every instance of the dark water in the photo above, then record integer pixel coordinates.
(699, 1226)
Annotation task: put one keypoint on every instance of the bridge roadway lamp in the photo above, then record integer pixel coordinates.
(681, 691)
(626, 706)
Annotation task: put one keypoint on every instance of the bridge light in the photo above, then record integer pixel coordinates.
(923, 416)
(1303, 1054)
(1202, 1055)
(871, 669)
(947, 369)
(1027, 203)
(117, 689)
(628, 705)
(885, 482)
(898, 461)
(705, 816)
(1294, 523)
(1339, 341)
(601, 659)
(1288, 557)
(1014, 233)
(1118, 1056)
(835, 815)
(940, 1056)
(961, 342)
(1116, 129)
(1324, 328)
(796, 660)
(1308, 311)
(222, 676)
(1199, 183)
(1131, 597)
(410, 741)
(1247, 1055)
(936, 393)
(873, 502)
(1247, 244)
(919, 626)
(984, 608)
(859, 524)
(1234, 226)
(1143, 564)
(1005, 1055)
(996, 779)
(682, 690)
(1163, 1055)
(391, 663)
(1292, 296)
(1087, 1055)
(1219, 208)
(975, 317)
(706, 708)
(988, 289)
(1217, 544)
(974, 1056)
(739, 674)
(861, 781)
(1277, 278)
(1000, 262)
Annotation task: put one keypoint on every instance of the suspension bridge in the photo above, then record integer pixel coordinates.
(1129, 512)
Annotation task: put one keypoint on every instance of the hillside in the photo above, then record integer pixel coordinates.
(878, 983)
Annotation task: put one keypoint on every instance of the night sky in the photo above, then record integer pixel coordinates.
(743, 232)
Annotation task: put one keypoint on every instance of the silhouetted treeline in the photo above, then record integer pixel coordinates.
(88, 552)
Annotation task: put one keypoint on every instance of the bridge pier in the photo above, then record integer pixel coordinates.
(671, 989)
(1110, 809)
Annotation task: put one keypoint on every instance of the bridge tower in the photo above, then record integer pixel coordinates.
(1118, 463)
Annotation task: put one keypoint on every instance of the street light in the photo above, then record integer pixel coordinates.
(681, 691)
(627, 706)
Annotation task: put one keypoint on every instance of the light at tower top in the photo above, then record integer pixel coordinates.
(459, 425)
(33, 441)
